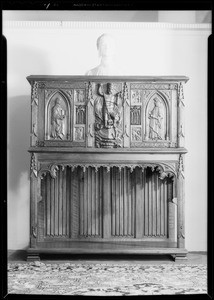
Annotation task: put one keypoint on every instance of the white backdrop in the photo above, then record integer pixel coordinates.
(69, 48)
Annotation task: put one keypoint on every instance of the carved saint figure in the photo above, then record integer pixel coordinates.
(108, 111)
(155, 121)
(57, 120)
(110, 108)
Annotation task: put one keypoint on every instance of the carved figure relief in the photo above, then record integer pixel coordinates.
(79, 133)
(135, 115)
(58, 121)
(136, 97)
(155, 121)
(108, 117)
(79, 96)
(136, 134)
(157, 118)
(80, 114)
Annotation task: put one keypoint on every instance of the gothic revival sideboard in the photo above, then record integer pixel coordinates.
(107, 165)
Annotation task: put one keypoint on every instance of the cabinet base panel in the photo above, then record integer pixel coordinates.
(176, 253)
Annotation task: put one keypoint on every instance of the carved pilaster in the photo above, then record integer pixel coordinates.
(90, 116)
(34, 113)
(34, 198)
(180, 202)
(126, 111)
(181, 134)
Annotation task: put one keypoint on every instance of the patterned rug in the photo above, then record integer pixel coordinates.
(106, 279)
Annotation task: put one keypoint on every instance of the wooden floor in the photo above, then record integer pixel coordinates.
(192, 258)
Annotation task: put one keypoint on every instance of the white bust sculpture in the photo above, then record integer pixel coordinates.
(106, 51)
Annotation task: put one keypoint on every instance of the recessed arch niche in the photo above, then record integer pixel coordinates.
(157, 118)
(57, 114)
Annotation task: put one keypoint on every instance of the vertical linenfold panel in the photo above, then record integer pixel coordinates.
(162, 208)
(60, 202)
(85, 203)
(154, 191)
(81, 189)
(100, 210)
(52, 206)
(166, 207)
(96, 204)
(93, 202)
(75, 219)
(89, 179)
(64, 200)
(48, 205)
(125, 189)
(158, 226)
(133, 203)
(56, 211)
(113, 193)
(129, 201)
(68, 200)
(117, 207)
(150, 199)
(146, 210)
(121, 201)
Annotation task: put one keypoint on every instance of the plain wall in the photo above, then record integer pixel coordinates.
(70, 49)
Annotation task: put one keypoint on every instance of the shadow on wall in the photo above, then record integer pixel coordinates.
(18, 139)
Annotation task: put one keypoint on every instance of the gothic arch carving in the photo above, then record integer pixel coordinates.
(57, 116)
(157, 117)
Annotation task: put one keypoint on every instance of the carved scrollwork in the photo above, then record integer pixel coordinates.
(33, 165)
(53, 170)
(40, 143)
(164, 169)
(151, 86)
(41, 84)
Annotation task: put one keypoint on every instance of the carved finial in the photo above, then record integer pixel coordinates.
(181, 166)
(90, 94)
(34, 130)
(181, 94)
(34, 94)
(180, 133)
(90, 131)
(125, 94)
(33, 166)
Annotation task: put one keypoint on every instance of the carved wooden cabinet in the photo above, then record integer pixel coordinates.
(107, 165)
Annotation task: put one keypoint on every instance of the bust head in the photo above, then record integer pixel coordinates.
(106, 45)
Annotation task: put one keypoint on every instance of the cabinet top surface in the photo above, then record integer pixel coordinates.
(98, 78)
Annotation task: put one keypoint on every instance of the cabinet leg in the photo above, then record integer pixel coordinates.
(179, 257)
(33, 257)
